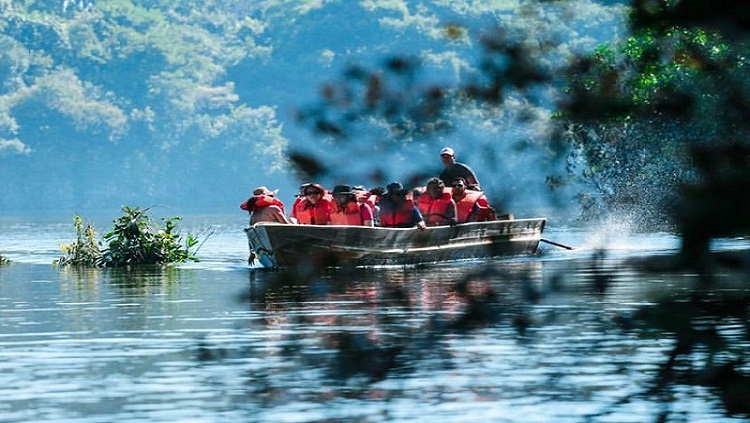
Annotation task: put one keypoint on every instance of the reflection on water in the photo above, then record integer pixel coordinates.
(564, 337)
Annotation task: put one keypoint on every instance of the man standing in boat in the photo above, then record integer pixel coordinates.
(263, 206)
(313, 206)
(454, 169)
(347, 210)
(397, 211)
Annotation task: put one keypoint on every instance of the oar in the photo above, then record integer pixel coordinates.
(557, 244)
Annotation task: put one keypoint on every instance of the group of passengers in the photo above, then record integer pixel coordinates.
(454, 197)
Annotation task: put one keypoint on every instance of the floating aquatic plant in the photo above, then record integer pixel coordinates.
(134, 240)
(84, 251)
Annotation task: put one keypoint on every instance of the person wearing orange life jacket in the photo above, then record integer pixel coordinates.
(471, 206)
(312, 206)
(371, 197)
(396, 211)
(436, 204)
(346, 210)
(366, 196)
(263, 206)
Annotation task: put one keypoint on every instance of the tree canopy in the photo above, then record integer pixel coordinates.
(121, 101)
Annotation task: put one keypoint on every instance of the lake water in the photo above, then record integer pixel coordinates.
(549, 338)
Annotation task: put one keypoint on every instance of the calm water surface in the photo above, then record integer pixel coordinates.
(540, 339)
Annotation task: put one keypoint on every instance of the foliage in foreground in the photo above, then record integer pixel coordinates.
(134, 240)
(640, 107)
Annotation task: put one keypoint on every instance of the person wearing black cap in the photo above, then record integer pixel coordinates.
(346, 210)
(454, 170)
(397, 211)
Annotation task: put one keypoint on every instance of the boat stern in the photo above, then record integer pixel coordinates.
(261, 250)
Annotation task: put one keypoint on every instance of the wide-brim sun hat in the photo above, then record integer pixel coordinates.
(342, 190)
(261, 190)
(313, 185)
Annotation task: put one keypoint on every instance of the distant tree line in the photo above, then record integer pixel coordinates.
(102, 99)
(125, 101)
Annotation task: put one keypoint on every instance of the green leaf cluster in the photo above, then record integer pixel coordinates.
(639, 107)
(651, 67)
(134, 240)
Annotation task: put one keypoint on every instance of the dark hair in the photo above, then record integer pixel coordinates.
(377, 191)
(395, 188)
(436, 182)
(251, 203)
(312, 187)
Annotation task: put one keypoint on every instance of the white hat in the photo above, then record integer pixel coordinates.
(264, 191)
(448, 151)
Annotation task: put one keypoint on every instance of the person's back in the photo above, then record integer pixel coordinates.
(270, 213)
(263, 206)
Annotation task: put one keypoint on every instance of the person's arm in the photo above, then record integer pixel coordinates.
(475, 210)
(278, 215)
(366, 214)
(293, 215)
(327, 211)
(450, 214)
(470, 176)
(417, 217)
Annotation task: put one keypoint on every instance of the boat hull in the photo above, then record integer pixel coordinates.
(278, 245)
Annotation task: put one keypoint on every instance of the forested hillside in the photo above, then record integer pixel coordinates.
(188, 104)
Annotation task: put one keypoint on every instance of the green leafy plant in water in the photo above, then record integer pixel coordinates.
(84, 251)
(136, 240)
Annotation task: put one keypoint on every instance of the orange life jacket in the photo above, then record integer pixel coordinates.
(308, 213)
(486, 214)
(402, 217)
(486, 211)
(465, 206)
(351, 214)
(366, 197)
(260, 202)
(435, 210)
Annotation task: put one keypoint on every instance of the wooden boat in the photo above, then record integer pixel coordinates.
(279, 245)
